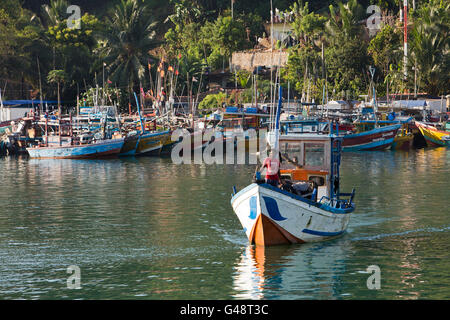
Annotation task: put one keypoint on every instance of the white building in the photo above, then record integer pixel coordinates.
(8, 113)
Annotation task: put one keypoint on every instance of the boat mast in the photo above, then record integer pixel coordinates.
(375, 108)
(271, 56)
(139, 111)
(1, 107)
(273, 136)
(41, 109)
(405, 38)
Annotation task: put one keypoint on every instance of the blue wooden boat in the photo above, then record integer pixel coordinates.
(152, 142)
(375, 139)
(129, 146)
(102, 148)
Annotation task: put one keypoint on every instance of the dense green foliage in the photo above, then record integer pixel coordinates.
(122, 43)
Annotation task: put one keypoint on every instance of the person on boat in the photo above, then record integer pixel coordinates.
(293, 161)
(273, 169)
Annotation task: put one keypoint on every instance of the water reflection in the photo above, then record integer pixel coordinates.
(144, 227)
(310, 271)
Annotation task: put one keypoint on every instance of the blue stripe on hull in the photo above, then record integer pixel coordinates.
(436, 142)
(369, 146)
(129, 153)
(296, 197)
(323, 233)
(76, 152)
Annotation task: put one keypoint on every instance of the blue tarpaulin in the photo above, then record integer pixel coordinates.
(251, 110)
(27, 102)
(231, 109)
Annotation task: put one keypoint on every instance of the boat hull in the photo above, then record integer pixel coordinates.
(4, 128)
(94, 150)
(404, 142)
(129, 147)
(376, 139)
(168, 144)
(271, 216)
(152, 142)
(433, 136)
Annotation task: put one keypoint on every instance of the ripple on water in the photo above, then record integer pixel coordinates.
(145, 228)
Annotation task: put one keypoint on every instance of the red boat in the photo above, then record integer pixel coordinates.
(375, 139)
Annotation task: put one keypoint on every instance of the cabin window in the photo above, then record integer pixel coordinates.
(291, 153)
(314, 154)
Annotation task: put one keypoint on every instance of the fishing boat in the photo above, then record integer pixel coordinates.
(55, 139)
(404, 138)
(308, 206)
(151, 143)
(5, 126)
(98, 149)
(433, 136)
(129, 146)
(376, 139)
(367, 139)
(242, 125)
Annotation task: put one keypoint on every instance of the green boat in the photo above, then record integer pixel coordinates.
(5, 125)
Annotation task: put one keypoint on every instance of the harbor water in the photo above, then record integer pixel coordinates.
(145, 228)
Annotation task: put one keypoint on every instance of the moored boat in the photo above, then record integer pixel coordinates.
(404, 140)
(102, 148)
(129, 146)
(152, 142)
(376, 139)
(433, 136)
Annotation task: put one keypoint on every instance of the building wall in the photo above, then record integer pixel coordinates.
(8, 114)
(248, 60)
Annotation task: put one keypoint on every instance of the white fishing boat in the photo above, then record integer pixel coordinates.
(307, 205)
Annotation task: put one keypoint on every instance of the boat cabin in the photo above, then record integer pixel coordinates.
(304, 126)
(310, 165)
(239, 124)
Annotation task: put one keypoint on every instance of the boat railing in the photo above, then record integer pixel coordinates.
(339, 203)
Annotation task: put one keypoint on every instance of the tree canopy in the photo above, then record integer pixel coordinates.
(127, 42)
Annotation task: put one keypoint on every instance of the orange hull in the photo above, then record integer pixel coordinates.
(267, 233)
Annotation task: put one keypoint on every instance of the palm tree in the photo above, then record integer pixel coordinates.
(55, 13)
(127, 42)
(185, 12)
(300, 11)
(58, 77)
(344, 23)
(429, 47)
